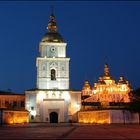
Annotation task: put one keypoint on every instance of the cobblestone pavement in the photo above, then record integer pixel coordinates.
(67, 131)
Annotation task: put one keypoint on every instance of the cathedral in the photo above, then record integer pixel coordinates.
(52, 100)
(107, 90)
(107, 101)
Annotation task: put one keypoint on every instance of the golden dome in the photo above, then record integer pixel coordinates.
(52, 37)
(94, 86)
(52, 34)
(86, 85)
(122, 80)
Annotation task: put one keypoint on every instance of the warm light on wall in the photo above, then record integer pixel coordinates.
(94, 117)
(11, 117)
(87, 120)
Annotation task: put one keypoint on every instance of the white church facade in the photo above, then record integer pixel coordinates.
(52, 100)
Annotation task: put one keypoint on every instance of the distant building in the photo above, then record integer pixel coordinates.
(11, 100)
(52, 101)
(12, 108)
(107, 90)
(107, 101)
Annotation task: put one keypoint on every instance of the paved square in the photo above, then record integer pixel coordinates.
(65, 131)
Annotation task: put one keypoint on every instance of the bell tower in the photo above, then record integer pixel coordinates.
(52, 64)
(52, 100)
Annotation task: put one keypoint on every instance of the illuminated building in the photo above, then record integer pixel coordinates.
(106, 90)
(107, 101)
(52, 101)
(11, 100)
(12, 108)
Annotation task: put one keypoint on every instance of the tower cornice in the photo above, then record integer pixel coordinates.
(55, 58)
(52, 43)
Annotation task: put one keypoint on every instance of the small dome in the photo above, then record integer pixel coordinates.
(52, 37)
(122, 80)
(86, 85)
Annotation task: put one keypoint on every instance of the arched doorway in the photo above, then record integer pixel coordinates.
(53, 117)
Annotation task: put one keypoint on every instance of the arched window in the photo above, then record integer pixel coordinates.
(53, 74)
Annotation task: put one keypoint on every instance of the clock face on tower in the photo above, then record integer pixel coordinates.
(53, 49)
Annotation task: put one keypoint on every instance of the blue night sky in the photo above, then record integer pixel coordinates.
(96, 32)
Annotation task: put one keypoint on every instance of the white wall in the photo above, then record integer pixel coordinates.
(123, 116)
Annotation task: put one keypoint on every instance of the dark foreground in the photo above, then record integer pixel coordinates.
(65, 131)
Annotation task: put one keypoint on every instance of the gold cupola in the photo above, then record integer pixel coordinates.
(107, 75)
(122, 80)
(52, 27)
(86, 86)
(52, 34)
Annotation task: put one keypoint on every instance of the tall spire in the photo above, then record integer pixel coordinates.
(106, 70)
(52, 27)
